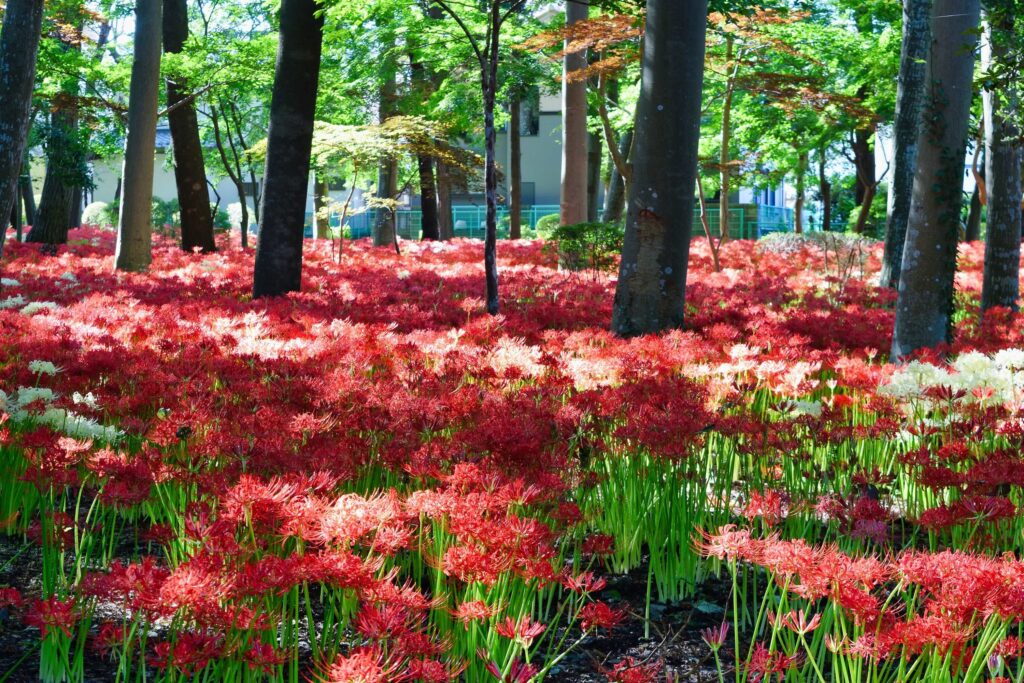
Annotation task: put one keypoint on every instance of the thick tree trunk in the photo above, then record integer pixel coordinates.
(289, 148)
(910, 93)
(515, 171)
(189, 165)
(1001, 280)
(574, 126)
(19, 45)
(593, 177)
(428, 197)
(615, 200)
(135, 225)
(972, 231)
(801, 192)
(651, 290)
(321, 202)
(445, 224)
(924, 306)
(387, 177)
(54, 215)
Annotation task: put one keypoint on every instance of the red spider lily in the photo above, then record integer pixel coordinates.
(52, 614)
(630, 670)
(10, 597)
(263, 657)
(796, 621)
(520, 672)
(716, 637)
(361, 665)
(473, 610)
(595, 615)
(522, 631)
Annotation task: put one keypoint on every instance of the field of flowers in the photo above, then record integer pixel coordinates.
(375, 481)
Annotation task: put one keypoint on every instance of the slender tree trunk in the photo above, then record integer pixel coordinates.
(910, 93)
(593, 177)
(28, 194)
(864, 161)
(135, 226)
(725, 172)
(574, 125)
(864, 212)
(428, 197)
(321, 202)
(234, 171)
(289, 148)
(54, 215)
(387, 178)
(515, 144)
(75, 218)
(801, 192)
(825, 190)
(1003, 158)
(445, 225)
(19, 46)
(490, 90)
(651, 290)
(924, 305)
(16, 217)
(972, 231)
(189, 165)
(615, 200)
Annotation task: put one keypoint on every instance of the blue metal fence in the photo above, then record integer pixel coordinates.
(471, 221)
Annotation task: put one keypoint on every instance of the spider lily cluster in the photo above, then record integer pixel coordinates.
(374, 481)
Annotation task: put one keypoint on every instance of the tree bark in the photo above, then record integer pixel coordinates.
(1003, 158)
(515, 145)
(445, 225)
(54, 214)
(135, 225)
(593, 177)
(19, 47)
(28, 194)
(489, 87)
(864, 162)
(574, 125)
(910, 93)
(801, 192)
(924, 305)
(428, 197)
(972, 231)
(615, 200)
(651, 290)
(189, 165)
(725, 172)
(387, 176)
(321, 201)
(825, 190)
(289, 148)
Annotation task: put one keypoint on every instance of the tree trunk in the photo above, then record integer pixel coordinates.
(428, 198)
(16, 217)
(489, 86)
(651, 290)
(801, 192)
(725, 172)
(924, 305)
(54, 215)
(593, 177)
(289, 148)
(75, 217)
(910, 93)
(825, 190)
(1001, 280)
(615, 200)
(19, 46)
(321, 202)
(972, 231)
(189, 165)
(574, 125)
(445, 225)
(387, 177)
(135, 228)
(864, 162)
(515, 145)
(28, 194)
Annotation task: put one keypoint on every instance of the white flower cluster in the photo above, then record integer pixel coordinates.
(9, 282)
(981, 378)
(16, 301)
(36, 306)
(35, 404)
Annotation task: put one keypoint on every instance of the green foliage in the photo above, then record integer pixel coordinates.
(588, 246)
(547, 225)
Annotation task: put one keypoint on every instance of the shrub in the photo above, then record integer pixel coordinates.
(588, 246)
(547, 225)
(97, 214)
